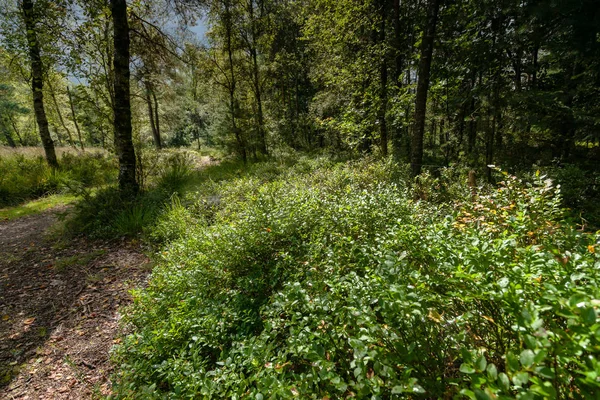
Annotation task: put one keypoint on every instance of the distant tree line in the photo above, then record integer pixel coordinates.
(429, 82)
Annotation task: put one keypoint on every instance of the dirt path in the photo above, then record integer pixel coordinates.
(59, 306)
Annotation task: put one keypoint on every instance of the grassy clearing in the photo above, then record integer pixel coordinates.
(25, 176)
(33, 151)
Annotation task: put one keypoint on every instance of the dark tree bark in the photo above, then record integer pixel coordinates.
(383, 136)
(73, 115)
(156, 118)
(122, 107)
(256, 81)
(37, 84)
(232, 81)
(416, 158)
(473, 119)
(398, 61)
(153, 115)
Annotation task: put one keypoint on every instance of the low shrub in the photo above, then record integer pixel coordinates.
(337, 283)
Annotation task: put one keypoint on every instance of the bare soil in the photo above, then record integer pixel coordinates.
(59, 308)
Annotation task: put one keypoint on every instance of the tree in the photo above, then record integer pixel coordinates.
(8, 108)
(37, 81)
(122, 104)
(416, 158)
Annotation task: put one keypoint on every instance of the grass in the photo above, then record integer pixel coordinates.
(36, 206)
(33, 151)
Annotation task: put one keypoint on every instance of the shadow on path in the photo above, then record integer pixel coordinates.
(59, 309)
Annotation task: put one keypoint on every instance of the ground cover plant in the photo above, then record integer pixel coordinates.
(335, 280)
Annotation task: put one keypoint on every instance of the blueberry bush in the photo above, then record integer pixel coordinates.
(329, 281)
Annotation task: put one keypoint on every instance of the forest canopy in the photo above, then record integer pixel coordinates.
(436, 83)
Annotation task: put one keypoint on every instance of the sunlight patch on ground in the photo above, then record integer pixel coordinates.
(36, 206)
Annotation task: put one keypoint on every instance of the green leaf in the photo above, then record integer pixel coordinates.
(480, 363)
(397, 389)
(545, 372)
(512, 362)
(589, 316)
(520, 378)
(526, 358)
(418, 389)
(504, 381)
(467, 369)
(492, 372)
(481, 395)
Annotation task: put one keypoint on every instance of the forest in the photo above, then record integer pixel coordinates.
(312, 199)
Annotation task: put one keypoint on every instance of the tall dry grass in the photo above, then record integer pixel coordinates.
(34, 151)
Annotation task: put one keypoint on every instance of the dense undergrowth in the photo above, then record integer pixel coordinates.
(24, 177)
(323, 280)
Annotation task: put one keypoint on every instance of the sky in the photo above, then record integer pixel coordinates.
(200, 30)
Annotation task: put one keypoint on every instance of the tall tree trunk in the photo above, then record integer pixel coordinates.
(37, 73)
(383, 86)
(256, 82)
(151, 115)
(73, 115)
(151, 119)
(398, 61)
(156, 118)
(60, 117)
(473, 120)
(416, 158)
(122, 107)
(489, 144)
(16, 129)
(232, 81)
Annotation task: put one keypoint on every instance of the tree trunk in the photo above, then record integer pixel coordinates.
(157, 119)
(416, 158)
(256, 82)
(383, 87)
(75, 118)
(8, 137)
(122, 108)
(16, 129)
(60, 117)
(152, 117)
(489, 144)
(38, 83)
(398, 61)
(232, 82)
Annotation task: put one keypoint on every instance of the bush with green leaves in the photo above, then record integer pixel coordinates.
(331, 281)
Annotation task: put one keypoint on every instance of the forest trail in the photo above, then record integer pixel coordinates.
(59, 305)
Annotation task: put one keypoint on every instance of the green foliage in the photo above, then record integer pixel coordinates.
(330, 281)
(23, 178)
(110, 213)
(580, 191)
